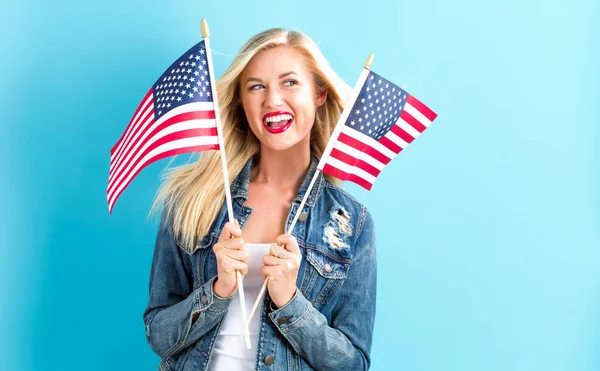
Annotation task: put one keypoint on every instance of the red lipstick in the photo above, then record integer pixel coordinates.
(276, 127)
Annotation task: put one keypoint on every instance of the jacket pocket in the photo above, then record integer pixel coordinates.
(323, 276)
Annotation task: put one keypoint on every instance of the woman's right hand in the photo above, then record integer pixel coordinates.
(232, 256)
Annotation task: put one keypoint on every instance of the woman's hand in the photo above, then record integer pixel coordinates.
(281, 269)
(232, 256)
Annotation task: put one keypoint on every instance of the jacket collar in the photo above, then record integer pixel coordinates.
(239, 187)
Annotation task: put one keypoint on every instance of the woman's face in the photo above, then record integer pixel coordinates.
(279, 98)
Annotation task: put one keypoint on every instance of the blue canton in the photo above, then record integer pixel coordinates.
(377, 107)
(186, 81)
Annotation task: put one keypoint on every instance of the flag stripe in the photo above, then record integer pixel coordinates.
(409, 119)
(391, 145)
(147, 98)
(342, 175)
(156, 127)
(122, 171)
(369, 141)
(429, 114)
(396, 139)
(177, 131)
(353, 161)
(350, 169)
(361, 146)
(190, 107)
(172, 152)
(399, 131)
(417, 115)
(358, 154)
(140, 128)
(407, 128)
(188, 143)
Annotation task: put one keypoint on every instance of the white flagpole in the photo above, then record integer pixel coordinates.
(334, 136)
(213, 85)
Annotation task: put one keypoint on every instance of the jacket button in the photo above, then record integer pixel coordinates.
(327, 267)
(302, 217)
(282, 320)
(269, 360)
(204, 299)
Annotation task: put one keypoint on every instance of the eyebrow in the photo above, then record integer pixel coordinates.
(256, 79)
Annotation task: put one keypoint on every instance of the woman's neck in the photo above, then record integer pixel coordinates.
(281, 169)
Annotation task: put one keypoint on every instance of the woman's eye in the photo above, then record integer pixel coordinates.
(290, 83)
(256, 87)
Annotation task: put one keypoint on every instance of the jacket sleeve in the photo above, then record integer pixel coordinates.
(176, 315)
(345, 344)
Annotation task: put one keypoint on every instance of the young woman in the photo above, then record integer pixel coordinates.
(280, 101)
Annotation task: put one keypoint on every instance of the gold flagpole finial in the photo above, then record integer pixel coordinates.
(369, 61)
(205, 32)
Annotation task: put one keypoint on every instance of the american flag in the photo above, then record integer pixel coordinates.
(176, 116)
(382, 122)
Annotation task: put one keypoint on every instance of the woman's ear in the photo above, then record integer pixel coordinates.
(321, 97)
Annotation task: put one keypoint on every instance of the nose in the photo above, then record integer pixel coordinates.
(273, 98)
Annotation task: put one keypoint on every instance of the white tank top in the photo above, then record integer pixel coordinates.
(229, 352)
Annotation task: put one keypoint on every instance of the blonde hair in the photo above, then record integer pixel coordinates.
(194, 192)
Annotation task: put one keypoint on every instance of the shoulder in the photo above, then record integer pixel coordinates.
(356, 211)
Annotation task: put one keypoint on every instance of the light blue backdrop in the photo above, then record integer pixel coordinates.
(488, 225)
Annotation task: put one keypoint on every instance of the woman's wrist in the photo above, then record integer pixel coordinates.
(282, 302)
(222, 292)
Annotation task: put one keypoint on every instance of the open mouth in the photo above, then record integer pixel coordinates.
(277, 122)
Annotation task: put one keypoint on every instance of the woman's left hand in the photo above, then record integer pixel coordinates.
(282, 271)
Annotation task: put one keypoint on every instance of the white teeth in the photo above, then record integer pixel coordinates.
(278, 118)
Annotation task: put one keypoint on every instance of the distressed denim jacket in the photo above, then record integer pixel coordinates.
(328, 324)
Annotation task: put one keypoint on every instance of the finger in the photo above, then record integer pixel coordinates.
(231, 265)
(234, 244)
(239, 255)
(271, 272)
(276, 249)
(289, 242)
(271, 260)
(230, 230)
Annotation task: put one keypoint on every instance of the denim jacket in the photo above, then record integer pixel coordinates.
(328, 324)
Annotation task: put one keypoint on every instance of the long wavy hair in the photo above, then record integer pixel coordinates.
(194, 192)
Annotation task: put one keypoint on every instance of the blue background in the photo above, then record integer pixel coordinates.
(487, 225)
